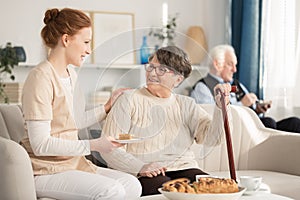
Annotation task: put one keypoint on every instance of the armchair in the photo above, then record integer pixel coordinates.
(15, 167)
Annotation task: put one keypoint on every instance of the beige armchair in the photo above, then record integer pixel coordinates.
(15, 167)
(257, 151)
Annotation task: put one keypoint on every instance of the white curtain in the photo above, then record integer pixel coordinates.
(281, 57)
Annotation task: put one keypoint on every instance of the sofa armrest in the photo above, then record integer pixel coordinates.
(278, 153)
(17, 181)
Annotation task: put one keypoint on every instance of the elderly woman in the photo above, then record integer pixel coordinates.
(163, 125)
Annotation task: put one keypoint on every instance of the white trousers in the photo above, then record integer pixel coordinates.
(72, 185)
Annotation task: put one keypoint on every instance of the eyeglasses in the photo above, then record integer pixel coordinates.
(159, 70)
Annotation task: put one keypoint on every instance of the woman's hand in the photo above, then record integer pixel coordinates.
(152, 169)
(114, 95)
(224, 89)
(104, 144)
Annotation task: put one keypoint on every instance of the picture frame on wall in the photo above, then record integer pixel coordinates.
(113, 38)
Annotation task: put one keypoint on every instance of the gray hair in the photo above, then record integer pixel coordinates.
(218, 54)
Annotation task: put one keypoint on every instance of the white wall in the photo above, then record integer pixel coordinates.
(22, 21)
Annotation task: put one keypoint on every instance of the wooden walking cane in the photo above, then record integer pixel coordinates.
(227, 133)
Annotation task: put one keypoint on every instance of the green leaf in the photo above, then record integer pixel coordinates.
(8, 60)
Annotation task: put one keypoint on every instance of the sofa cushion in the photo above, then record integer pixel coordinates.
(279, 183)
(265, 157)
(13, 118)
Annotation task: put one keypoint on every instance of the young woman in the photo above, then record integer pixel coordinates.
(58, 157)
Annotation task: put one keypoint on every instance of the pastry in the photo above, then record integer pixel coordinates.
(124, 136)
(178, 185)
(215, 185)
(203, 185)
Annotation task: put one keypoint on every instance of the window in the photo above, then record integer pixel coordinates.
(279, 53)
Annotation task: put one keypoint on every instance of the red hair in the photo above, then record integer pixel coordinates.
(66, 21)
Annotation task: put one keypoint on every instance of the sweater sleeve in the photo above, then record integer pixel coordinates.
(216, 132)
(119, 121)
(121, 160)
(208, 128)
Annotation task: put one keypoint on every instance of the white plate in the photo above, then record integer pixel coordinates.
(264, 188)
(132, 140)
(187, 196)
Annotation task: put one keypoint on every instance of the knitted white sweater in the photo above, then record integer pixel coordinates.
(169, 126)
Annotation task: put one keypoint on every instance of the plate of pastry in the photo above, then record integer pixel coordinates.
(206, 188)
(125, 138)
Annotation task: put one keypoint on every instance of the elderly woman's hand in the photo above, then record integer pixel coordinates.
(151, 170)
(222, 89)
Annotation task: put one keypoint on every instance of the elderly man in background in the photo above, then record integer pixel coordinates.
(222, 63)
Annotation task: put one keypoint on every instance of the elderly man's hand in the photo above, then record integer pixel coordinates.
(262, 106)
(249, 99)
(222, 89)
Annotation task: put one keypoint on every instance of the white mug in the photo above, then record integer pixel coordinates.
(252, 183)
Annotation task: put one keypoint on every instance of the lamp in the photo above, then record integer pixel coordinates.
(196, 46)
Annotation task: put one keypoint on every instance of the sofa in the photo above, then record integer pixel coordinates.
(257, 150)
